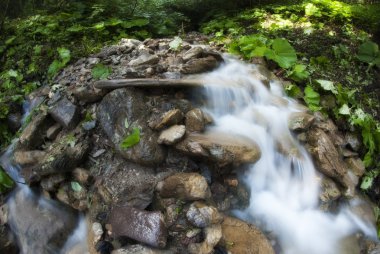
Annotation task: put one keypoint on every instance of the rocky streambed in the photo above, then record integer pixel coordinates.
(134, 154)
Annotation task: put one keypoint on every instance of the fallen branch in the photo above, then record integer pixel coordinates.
(119, 83)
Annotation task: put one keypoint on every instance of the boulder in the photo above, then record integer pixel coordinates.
(220, 147)
(194, 52)
(213, 234)
(201, 215)
(126, 183)
(123, 108)
(300, 121)
(65, 113)
(166, 119)
(143, 226)
(35, 233)
(172, 135)
(185, 186)
(195, 120)
(24, 158)
(33, 135)
(199, 65)
(242, 238)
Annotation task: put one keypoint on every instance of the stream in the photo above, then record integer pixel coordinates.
(284, 186)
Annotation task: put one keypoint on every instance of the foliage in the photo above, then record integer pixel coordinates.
(131, 140)
(369, 53)
(100, 71)
(5, 181)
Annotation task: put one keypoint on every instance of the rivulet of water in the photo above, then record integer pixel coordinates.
(283, 185)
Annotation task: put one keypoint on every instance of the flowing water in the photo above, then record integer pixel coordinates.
(283, 188)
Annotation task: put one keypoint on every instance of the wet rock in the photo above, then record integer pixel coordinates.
(51, 182)
(14, 121)
(172, 135)
(65, 113)
(145, 59)
(242, 238)
(140, 249)
(329, 193)
(300, 121)
(24, 158)
(167, 119)
(40, 234)
(53, 131)
(195, 120)
(126, 183)
(194, 52)
(185, 186)
(33, 135)
(352, 141)
(62, 157)
(97, 232)
(88, 94)
(213, 234)
(123, 106)
(145, 227)
(200, 65)
(221, 148)
(356, 165)
(200, 215)
(326, 156)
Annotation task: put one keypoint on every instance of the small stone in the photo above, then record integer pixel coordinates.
(145, 227)
(24, 158)
(200, 215)
(97, 231)
(352, 141)
(51, 182)
(65, 113)
(172, 135)
(167, 119)
(81, 175)
(145, 59)
(88, 94)
(140, 249)
(186, 186)
(195, 120)
(98, 153)
(53, 131)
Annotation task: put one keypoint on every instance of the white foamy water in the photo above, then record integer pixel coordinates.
(283, 188)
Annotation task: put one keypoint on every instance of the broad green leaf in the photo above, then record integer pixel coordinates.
(176, 43)
(299, 73)
(344, 110)
(64, 54)
(76, 28)
(99, 26)
(366, 182)
(327, 85)
(10, 40)
(54, 67)
(76, 186)
(5, 181)
(101, 71)
(312, 10)
(312, 98)
(368, 52)
(293, 91)
(282, 53)
(131, 140)
(135, 22)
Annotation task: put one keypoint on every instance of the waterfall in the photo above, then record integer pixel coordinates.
(284, 188)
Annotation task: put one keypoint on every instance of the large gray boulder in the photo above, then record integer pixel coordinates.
(119, 112)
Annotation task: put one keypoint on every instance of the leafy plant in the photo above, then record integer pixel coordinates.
(282, 53)
(101, 71)
(176, 44)
(5, 181)
(369, 53)
(131, 140)
(312, 98)
(58, 64)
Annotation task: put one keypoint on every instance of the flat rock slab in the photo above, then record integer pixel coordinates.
(65, 113)
(172, 135)
(143, 226)
(221, 148)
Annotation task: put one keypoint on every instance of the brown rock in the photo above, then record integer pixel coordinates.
(88, 94)
(194, 52)
(53, 131)
(201, 215)
(33, 134)
(167, 119)
(213, 234)
(186, 186)
(356, 165)
(24, 158)
(145, 227)
(242, 238)
(221, 148)
(200, 65)
(172, 135)
(81, 175)
(195, 120)
(300, 121)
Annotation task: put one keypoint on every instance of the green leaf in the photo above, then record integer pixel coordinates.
(135, 22)
(368, 52)
(5, 181)
(312, 98)
(10, 40)
(345, 110)
(293, 91)
(101, 71)
(54, 67)
(327, 85)
(64, 54)
(131, 140)
(176, 44)
(282, 53)
(76, 186)
(299, 73)
(366, 182)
